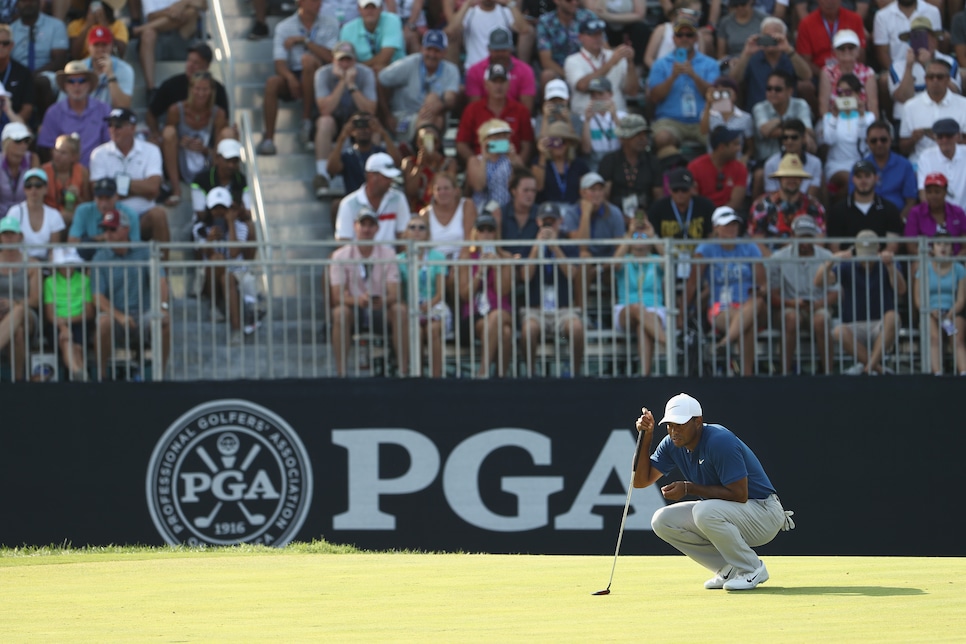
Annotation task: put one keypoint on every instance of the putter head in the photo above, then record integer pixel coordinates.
(606, 591)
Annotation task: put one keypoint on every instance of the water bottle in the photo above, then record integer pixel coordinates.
(689, 104)
(70, 200)
(949, 326)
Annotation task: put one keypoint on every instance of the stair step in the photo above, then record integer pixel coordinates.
(288, 166)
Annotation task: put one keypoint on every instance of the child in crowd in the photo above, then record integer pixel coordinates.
(69, 182)
(69, 309)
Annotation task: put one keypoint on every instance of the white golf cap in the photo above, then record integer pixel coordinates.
(724, 215)
(229, 149)
(556, 89)
(680, 409)
(218, 196)
(845, 37)
(590, 180)
(383, 164)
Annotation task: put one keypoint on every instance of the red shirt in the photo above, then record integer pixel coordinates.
(477, 113)
(716, 184)
(815, 34)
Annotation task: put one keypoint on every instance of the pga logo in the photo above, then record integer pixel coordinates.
(229, 472)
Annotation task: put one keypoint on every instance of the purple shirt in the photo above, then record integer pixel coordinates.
(11, 190)
(921, 223)
(90, 125)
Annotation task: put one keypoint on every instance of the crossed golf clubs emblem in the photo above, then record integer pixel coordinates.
(228, 446)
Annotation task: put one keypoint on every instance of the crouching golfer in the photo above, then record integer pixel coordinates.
(738, 508)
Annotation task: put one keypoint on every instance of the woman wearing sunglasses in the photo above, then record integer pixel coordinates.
(15, 160)
(39, 223)
(558, 169)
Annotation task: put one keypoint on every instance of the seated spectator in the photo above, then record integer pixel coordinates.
(772, 214)
(907, 73)
(19, 97)
(497, 105)
(194, 127)
(593, 218)
(435, 316)
(594, 62)
(600, 118)
(844, 63)
(548, 309)
(893, 21)
(364, 293)
(558, 37)
(428, 160)
(945, 303)
(115, 77)
(814, 40)
(423, 88)
(163, 17)
(80, 113)
(522, 85)
(640, 307)
(802, 307)
(683, 214)
(677, 86)
(97, 15)
(450, 215)
(19, 297)
(225, 172)
(86, 226)
(68, 181)
(936, 215)
(303, 43)
(864, 209)
(484, 294)
(348, 158)
(661, 41)
(843, 130)
(737, 283)
(473, 23)
(136, 167)
(342, 90)
(122, 284)
(45, 52)
(719, 175)
(924, 109)
(376, 35)
(793, 142)
(488, 173)
(175, 89)
(41, 225)
(871, 283)
(742, 22)
(721, 108)
(896, 176)
(517, 218)
(763, 55)
(69, 309)
(17, 160)
(771, 113)
(948, 158)
(556, 107)
(378, 195)
(558, 170)
(626, 23)
(632, 174)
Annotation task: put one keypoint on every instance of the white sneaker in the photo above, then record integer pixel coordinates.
(305, 135)
(748, 580)
(718, 581)
(855, 370)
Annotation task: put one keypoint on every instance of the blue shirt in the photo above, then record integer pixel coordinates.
(428, 277)
(126, 281)
(757, 73)
(721, 458)
(511, 231)
(640, 282)
(895, 182)
(731, 282)
(866, 292)
(671, 107)
(49, 34)
(606, 223)
(87, 222)
(388, 33)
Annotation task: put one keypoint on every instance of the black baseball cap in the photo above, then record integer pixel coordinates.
(680, 178)
(105, 187)
(122, 114)
(945, 126)
(864, 166)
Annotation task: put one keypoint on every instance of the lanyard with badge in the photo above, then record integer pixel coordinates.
(683, 257)
(630, 202)
(561, 180)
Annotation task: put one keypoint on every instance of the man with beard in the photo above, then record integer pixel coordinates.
(864, 210)
(896, 176)
(772, 214)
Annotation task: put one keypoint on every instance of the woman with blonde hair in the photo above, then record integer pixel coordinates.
(450, 215)
(15, 160)
(558, 170)
(69, 182)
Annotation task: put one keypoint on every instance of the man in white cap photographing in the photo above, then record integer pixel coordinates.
(737, 507)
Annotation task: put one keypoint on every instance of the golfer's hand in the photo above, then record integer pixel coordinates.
(646, 422)
(673, 491)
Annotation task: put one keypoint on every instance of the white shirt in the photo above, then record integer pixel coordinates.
(477, 25)
(142, 162)
(898, 72)
(920, 112)
(933, 160)
(32, 239)
(578, 65)
(890, 22)
(393, 214)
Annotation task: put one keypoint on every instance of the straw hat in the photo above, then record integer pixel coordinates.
(493, 126)
(561, 130)
(790, 166)
(76, 68)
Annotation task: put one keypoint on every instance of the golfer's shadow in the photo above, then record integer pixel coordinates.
(845, 591)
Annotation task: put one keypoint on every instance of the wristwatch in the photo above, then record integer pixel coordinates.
(112, 79)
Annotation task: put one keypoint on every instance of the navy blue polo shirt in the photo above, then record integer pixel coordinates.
(510, 231)
(721, 458)
(756, 77)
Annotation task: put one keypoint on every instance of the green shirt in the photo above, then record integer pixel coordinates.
(68, 295)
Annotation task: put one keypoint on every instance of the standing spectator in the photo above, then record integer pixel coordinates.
(558, 170)
(175, 88)
(845, 62)
(488, 173)
(162, 17)
(41, 225)
(864, 209)
(907, 75)
(19, 296)
(349, 158)
(936, 215)
(793, 142)
(497, 105)
(342, 90)
(69, 182)
(86, 227)
(947, 158)
(376, 35)
(115, 77)
(17, 159)
(522, 86)
(18, 82)
(718, 174)
(779, 107)
(422, 88)
(475, 20)
(377, 194)
(817, 30)
(843, 130)
(40, 44)
(896, 177)
(677, 86)
(945, 286)
(225, 172)
(594, 62)
(772, 214)
(598, 135)
(428, 160)
(558, 37)
(922, 110)
(625, 23)
(103, 16)
(765, 54)
(69, 309)
(80, 113)
(450, 215)
(303, 43)
(742, 21)
(632, 175)
(721, 108)
(871, 283)
(435, 316)
(136, 167)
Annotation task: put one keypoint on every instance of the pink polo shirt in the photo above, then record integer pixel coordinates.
(521, 79)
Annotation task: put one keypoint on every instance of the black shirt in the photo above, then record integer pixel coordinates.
(666, 223)
(846, 220)
(208, 179)
(18, 80)
(626, 181)
(176, 89)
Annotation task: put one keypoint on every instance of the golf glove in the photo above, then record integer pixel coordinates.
(788, 524)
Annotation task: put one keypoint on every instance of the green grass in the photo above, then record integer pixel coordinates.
(314, 592)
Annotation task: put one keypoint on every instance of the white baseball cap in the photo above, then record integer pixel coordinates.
(724, 215)
(680, 409)
(845, 37)
(218, 196)
(556, 89)
(229, 149)
(383, 164)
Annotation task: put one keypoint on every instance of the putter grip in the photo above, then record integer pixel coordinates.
(637, 452)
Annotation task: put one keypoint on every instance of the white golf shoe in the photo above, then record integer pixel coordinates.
(748, 580)
(718, 581)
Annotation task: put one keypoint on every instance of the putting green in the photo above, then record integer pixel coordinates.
(226, 595)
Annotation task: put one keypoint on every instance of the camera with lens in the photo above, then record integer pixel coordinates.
(717, 95)
(766, 41)
(360, 121)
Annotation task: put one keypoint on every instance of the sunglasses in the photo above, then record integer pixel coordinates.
(5, 43)
(845, 92)
(774, 88)
(553, 142)
(639, 236)
(30, 185)
(878, 139)
(77, 80)
(790, 137)
(937, 76)
(486, 229)
(418, 227)
(719, 181)
(680, 189)
(686, 34)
